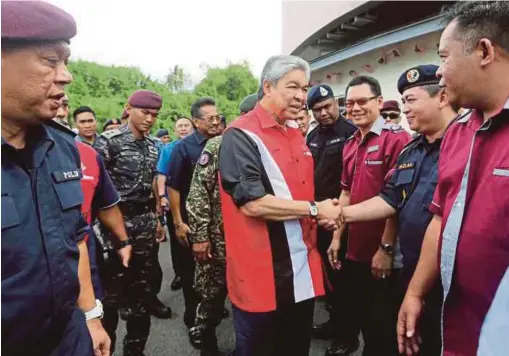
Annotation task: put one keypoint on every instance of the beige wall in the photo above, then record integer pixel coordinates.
(387, 74)
(301, 19)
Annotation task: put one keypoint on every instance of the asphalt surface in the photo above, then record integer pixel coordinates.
(169, 337)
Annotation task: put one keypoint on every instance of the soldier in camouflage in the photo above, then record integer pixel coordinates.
(207, 238)
(130, 157)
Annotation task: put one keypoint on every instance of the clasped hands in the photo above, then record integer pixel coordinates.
(329, 214)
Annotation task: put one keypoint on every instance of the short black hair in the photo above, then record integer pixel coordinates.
(81, 110)
(198, 104)
(365, 79)
(480, 19)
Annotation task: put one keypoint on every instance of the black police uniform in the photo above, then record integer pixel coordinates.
(41, 226)
(184, 157)
(131, 165)
(326, 145)
(410, 191)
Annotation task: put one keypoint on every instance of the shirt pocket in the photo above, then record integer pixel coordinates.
(10, 216)
(69, 193)
(405, 176)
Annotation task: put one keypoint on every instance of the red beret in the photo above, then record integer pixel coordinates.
(391, 105)
(36, 21)
(145, 99)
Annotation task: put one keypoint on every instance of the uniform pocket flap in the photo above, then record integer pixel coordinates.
(69, 194)
(10, 217)
(405, 176)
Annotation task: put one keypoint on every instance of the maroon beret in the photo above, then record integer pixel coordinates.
(391, 105)
(145, 99)
(36, 21)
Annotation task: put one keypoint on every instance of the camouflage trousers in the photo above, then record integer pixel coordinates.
(210, 285)
(135, 286)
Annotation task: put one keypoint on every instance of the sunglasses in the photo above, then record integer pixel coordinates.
(361, 102)
(391, 116)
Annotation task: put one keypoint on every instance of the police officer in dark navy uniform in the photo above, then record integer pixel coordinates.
(48, 303)
(184, 157)
(411, 183)
(326, 144)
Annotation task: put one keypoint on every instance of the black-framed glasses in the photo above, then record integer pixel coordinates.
(390, 115)
(361, 101)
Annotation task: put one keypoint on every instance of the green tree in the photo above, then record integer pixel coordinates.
(107, 88)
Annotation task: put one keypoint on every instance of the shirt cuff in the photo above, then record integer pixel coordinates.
(435, 208)
(109, 206)
(394, 203)
(247, 191)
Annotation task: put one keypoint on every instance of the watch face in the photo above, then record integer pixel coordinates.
(313, 210)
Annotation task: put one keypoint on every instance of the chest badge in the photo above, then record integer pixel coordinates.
(373, 148)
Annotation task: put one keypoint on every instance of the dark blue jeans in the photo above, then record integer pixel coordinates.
(285, 331)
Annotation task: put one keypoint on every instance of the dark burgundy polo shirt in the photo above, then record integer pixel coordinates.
(366, 162)
(482, 253)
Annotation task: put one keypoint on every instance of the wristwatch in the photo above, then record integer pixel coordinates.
(96, 312)
(313, 209)
(162, 196)
(387, 248)
(123, 243)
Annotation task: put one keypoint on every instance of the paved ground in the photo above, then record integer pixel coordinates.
(169, 337)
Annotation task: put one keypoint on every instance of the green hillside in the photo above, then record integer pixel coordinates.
(106, 89)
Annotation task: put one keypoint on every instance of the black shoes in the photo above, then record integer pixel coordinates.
(156, 308)
(339, 349)
(176, 284)
(195, 336)
(209, 343)
(324, 331)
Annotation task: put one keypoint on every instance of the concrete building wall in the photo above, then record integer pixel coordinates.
(387, 74)
(303, 18)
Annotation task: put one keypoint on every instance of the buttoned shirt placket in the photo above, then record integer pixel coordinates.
(452, 229)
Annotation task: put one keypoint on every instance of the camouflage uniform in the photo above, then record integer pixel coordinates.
(206, 221)
(131, 164)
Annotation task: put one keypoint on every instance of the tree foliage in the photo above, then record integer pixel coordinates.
(106, 89)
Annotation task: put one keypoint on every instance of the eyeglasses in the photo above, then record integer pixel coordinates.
(361, 102)
(391, 115)
(212, 119)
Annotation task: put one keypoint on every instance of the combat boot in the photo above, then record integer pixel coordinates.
(209, 342)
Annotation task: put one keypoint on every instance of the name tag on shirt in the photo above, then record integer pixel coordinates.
(406, 165)
(373, 148)
(501, 172)
(336, 140)
(374, 163)
(64, 176)
(312, 144)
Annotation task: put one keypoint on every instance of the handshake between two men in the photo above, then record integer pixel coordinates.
(334, 214)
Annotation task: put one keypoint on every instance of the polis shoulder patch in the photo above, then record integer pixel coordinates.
(204, 159)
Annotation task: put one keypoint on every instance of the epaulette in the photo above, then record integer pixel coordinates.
(111, 133)
(410, 144)
(62, 130)
(393, 127)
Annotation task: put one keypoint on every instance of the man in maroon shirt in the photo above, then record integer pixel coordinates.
(469, 234)
(367, 158)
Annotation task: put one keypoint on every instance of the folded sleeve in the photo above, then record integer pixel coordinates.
(240, 167)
